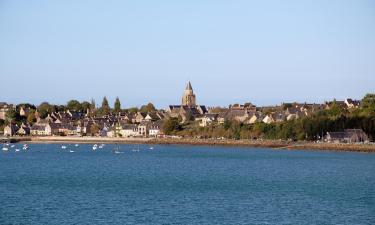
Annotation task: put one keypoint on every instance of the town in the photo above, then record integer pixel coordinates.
(335, 121)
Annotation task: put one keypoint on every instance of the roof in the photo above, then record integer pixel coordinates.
(188, 86)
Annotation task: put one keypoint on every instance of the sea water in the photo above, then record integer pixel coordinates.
(184, 185)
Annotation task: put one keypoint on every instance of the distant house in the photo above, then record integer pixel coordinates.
(155, 129)
(268, 119)
(11, 130)
(24, 111)
(208, 119)
(143, 129)
(41, 130)
(4, 108)
(347, 136)
(129, 130)
(24, 130)
(140, 117)
(350, 103)
(256, 117)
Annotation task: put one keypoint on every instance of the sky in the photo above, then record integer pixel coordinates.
(264, 52)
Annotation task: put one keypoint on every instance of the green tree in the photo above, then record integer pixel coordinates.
(44, 109)
(85, 105)
(148, 108)
(368, 103)
(11, 115)
(117, 106)
(74, 105)
(133, 110)
(31, 117)
(94, 129)
(105, 109)
(171, 125)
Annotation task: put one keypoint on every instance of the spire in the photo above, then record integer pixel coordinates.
(188, 86)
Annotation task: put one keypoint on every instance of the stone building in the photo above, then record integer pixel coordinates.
(188, 99)
(188, 110)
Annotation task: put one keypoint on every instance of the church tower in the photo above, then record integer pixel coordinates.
(188, 99)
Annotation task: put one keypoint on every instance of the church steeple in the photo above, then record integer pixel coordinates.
(188, 86)
(188, 99)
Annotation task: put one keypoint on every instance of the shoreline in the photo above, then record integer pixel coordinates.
(275, 144)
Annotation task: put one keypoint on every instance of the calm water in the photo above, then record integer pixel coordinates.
(185, 185)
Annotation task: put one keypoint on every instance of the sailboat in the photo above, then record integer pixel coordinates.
(5, 148)
(136, 149)
(117, 149)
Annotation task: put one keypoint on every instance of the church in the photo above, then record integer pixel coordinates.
(188, 110)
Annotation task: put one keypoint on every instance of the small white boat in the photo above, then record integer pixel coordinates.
(71, 151)
(25, 147)
(95, 147)
(63, 146)
(5, 148)
(151, 148)
(17, 150)
(76, 145)
(101, 146)
(117, 149)
(12, 146)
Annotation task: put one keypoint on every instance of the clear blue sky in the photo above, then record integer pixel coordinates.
(265, 52)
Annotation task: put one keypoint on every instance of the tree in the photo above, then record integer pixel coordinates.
(148, 108)
(85, 105)
(368, 103)
(44, 109)
(133, 110)
(104, 109)
(92, 105)
(11, 115)
(31, 117)
(117, 107)
(74, 105)
(171, 125)
(94, 129)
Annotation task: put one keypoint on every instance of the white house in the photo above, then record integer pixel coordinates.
(268, 119)
(129, 130)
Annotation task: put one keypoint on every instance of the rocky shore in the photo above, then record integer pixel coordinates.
(275, 144)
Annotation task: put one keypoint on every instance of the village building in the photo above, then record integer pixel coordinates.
(41, 130)
(207, 119)
(188, 109)
(24, 130)
(268, 119)
(24, 111)
(350, 103)
(10, 130)
(347, 136)
(129, 130)
(155, 129)
(4, 108)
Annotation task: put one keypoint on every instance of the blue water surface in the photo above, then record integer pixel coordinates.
(184, 185)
